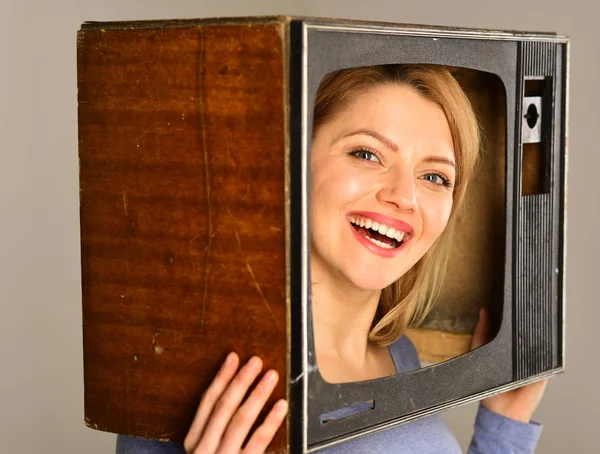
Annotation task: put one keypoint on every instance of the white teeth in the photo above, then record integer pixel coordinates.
(383, 229)
(380, 244)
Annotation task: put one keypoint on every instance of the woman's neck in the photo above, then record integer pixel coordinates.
(342, 318)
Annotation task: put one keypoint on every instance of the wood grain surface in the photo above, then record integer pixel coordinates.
(182, 146)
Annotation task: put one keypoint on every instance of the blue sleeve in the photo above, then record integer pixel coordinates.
(495, 434)
(135, 445)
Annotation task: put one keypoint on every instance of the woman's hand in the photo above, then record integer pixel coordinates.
(222, 421)
(518, 404)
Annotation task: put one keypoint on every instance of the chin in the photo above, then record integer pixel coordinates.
(371, 282)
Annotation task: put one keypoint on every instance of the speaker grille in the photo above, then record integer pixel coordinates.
(539, 58)
(534, 346)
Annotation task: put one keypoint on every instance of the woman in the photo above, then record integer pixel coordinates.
(393, 149)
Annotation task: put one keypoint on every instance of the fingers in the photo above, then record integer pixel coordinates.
(221, 424)
(246, 415)
(481, 333)
(530, 396)
(227, 404)
(263, 435)
(209, 399)
(518, 404)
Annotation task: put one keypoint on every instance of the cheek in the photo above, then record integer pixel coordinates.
(436, 216)
(336, 184)
(334, 189)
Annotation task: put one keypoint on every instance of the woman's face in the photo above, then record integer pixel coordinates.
(384, 162)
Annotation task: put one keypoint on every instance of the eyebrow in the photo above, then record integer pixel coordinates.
(392, 146)
(381, 138)
(440, 160)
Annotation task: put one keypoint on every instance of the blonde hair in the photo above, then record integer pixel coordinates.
(407, 301)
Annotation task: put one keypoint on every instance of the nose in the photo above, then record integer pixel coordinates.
(399, 191)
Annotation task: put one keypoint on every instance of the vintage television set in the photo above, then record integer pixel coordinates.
(194, 148)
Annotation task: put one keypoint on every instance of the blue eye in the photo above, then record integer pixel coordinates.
(437, 179)
(365, 155)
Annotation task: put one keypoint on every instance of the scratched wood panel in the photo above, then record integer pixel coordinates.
(182, 176)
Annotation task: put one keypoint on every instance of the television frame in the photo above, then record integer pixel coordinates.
(529, 345)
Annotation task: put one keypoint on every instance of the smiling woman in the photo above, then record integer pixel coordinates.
(393, 150)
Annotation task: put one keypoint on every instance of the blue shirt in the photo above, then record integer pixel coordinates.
(494, 434)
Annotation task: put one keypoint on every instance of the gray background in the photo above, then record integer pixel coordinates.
(41, 387)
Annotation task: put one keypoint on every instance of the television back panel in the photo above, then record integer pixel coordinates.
(183, 219)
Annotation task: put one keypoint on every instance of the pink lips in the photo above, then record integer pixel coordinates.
(387, 220)
(382, 219)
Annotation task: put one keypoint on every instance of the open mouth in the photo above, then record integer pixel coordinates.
(379, 234)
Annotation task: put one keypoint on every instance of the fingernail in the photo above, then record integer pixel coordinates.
(281, 406)
(230, 358)
(254, 362)
(271, 376)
